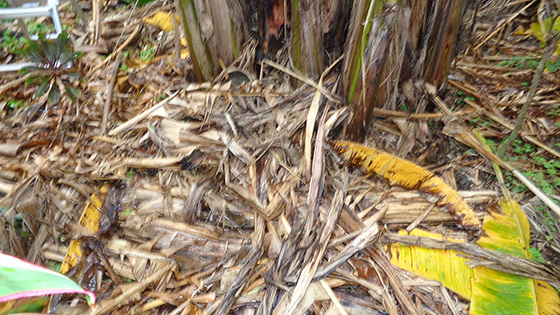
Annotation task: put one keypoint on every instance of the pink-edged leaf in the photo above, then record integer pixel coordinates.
(21, 279)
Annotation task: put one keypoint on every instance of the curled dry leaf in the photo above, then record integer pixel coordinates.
(408, 175)
(98, 217)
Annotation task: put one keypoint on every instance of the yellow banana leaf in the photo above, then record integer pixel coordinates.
(408, 175)
(490, 291)
(496, 292)
(162, 20)
(445, 266)
(540, 30)
(89, 220)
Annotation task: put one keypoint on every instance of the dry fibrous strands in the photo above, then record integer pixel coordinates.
(105, 61)
(108, 305)
(218, 164)
(123, 127)
(458, 130)
(362, 239)
(313, 198)
(18, 81)
(509, 126)
(303, 250)
(250, 262)
(187, 240)
(552, 45)
(502, 25)
(5, 187)
(302, 78)
(351, 223)
(110, 92)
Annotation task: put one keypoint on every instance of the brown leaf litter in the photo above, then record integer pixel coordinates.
(233, 199)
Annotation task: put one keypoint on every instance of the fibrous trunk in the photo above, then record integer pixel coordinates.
(394, 45)
(214, 30)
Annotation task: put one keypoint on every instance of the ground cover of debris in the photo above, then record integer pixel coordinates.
(219, 197)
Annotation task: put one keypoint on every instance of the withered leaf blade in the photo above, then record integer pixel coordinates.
(410, 176)
(98, 217)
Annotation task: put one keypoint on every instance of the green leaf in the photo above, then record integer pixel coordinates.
(496, 292)
(29, 69)
(490, 291)
(536, 255)
(144, 2)
(33, 52)
(60, 44)
(24, 71)
(20, 279)
(43, 87)
(48, 51)
(66, 55)
(34, 307)
(54, 95)
(71, 91)
(72, 76)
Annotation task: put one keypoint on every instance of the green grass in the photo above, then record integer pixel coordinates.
(539, 178)
(492, 144)
(524, 63)
(522, 148)
(461, 97)
(552, 66)
(478, 121)
(14, 104)
(536, 255)
(39, 28)
(148, 53)
(554, 112)
(547, 218)
(54, 266)
(12, 42)
(551, 166)
(124, 67)
(543, 172)
(520, 63)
